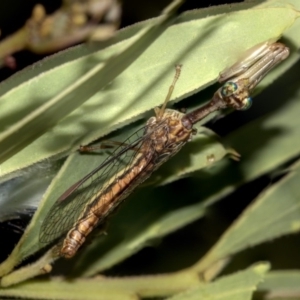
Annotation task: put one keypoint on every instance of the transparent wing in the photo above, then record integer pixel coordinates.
(69, 208)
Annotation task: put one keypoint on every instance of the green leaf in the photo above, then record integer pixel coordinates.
(63, 290)
(202, 152)
(162, 219)
(29, 244)
(151, 225)
(202, 43)
(239, 286)
(276, 212)
(93, 77)
(264, 144)
(280, 284)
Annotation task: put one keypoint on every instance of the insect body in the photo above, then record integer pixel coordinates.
(164, 139)
(163, 136)
(89, 201)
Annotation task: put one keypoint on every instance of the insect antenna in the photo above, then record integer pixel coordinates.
(160, 111)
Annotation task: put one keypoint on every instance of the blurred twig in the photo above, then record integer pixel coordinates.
(75, 21)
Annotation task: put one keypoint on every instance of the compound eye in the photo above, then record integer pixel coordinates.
(247, 103)
(228, 89)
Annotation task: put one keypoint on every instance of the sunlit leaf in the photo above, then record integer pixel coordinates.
(200, 40)
(24, 126)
